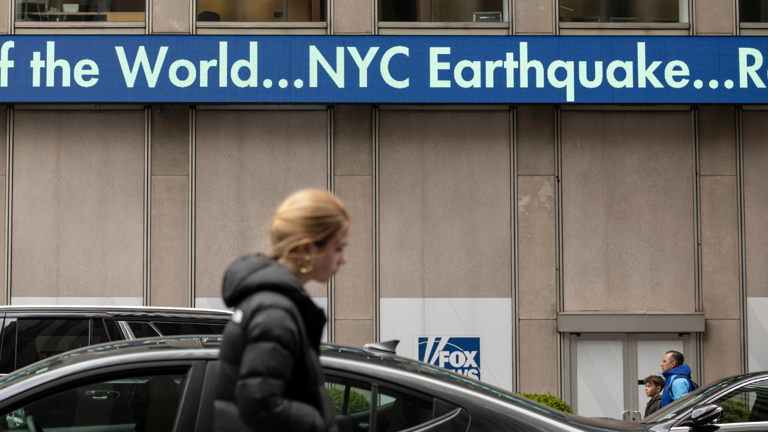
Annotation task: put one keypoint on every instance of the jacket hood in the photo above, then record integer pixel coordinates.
(254, 273)
(684, 370)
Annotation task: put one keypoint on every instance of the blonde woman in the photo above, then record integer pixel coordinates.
(269, 376)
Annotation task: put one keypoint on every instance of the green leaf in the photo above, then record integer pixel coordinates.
(549, 400)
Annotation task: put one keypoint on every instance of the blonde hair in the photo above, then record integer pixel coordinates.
(308, 216)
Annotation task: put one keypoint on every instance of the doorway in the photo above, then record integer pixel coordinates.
(608, 369)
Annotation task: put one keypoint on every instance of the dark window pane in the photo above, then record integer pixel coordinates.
(624, 11)
(262, 11)
(80, 10)
(99, 333)
(143, 404)
(8, 356)
(112, 330)
(142, 329)
(753, 10)
(397, 411)
(182, 328)
(746, 404)
(442, 11)
(39, 339)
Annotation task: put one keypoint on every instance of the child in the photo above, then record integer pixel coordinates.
(654, 384)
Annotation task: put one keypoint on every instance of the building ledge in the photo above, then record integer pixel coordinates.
(630, 322)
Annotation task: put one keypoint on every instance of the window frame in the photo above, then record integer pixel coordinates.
(624, 29)
(194, 369)
(80, 27)
(428, 28)
(261, 27)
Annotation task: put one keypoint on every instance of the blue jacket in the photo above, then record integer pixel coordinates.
(680, 386)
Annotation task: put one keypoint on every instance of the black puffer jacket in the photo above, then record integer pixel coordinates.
(270, 377)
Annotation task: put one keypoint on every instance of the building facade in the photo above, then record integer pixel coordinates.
(572, 244)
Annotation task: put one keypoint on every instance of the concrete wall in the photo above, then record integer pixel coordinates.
(248, 162)
(78, 204)
(628, 211)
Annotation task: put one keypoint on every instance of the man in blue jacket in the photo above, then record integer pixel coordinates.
(678, 377)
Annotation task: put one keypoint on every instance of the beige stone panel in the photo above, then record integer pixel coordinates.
(533, 16)
(538, 356)
(717, 140)
(535, 140)
(171, 16)
(78, 204)
(5, 10)
(170, 140)
(536, 246)
(445, 204)
(714, 17)
(352, 16)
(3, 139)
(354, 282)
(628, 211)
(722, 349)
(755, 131)
(720, 247)
(352, 141)
(248, 162)
(169, 270)
(354, 333)
(2, 237)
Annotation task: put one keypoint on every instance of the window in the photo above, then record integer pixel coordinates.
(38, 339)
(183, 328)
(753, 11)
(746, 404)
(142, 330)
(624, 11)
(443, 10)
(146, 403)
(394, 410)
(99, 332)
(80, 10)
(261, 11)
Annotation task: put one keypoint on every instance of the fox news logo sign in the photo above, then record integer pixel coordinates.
(459, 354)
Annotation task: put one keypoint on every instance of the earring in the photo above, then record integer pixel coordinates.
(309, 266)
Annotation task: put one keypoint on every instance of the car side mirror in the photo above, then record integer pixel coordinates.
(705, 414)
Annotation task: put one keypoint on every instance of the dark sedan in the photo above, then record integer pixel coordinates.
(166, 384)
(737, 403)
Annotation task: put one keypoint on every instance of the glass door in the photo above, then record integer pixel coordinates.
(608, 369)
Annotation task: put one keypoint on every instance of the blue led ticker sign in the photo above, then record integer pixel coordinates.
(383, 69)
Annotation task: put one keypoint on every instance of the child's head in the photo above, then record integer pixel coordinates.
(654, 384)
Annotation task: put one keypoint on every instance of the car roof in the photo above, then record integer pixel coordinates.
(120, 311)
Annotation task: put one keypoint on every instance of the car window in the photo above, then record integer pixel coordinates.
(142, 329)
(397, 410)
(99, 332)
(38, 339)
(147, 403)
(8, 353)
(187, 328)
(351, 402)
(746, 404)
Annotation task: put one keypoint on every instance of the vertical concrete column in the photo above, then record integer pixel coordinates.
(534, 17)
(5, 12)
(3, 197)
(171, 16)
(169, 215)
(715, 17)
(353, 182)
(352, 17)
(718, 192)
(537, 252)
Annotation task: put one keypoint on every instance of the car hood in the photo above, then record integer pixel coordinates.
(604, 424)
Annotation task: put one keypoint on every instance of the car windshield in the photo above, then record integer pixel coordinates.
(681, 405)
(70, 357)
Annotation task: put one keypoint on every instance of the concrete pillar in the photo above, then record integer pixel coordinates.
(537, 282)
(352, 17)
(5, 12)
(353, 182)
(721, 293)
(171, 16)
(169, 239)
(715, 18)
(534, 17)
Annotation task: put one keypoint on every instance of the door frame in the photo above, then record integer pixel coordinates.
(629, 354)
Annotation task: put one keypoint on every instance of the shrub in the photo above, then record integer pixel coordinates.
(550, 401)
(734, 412)
(357, 402)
